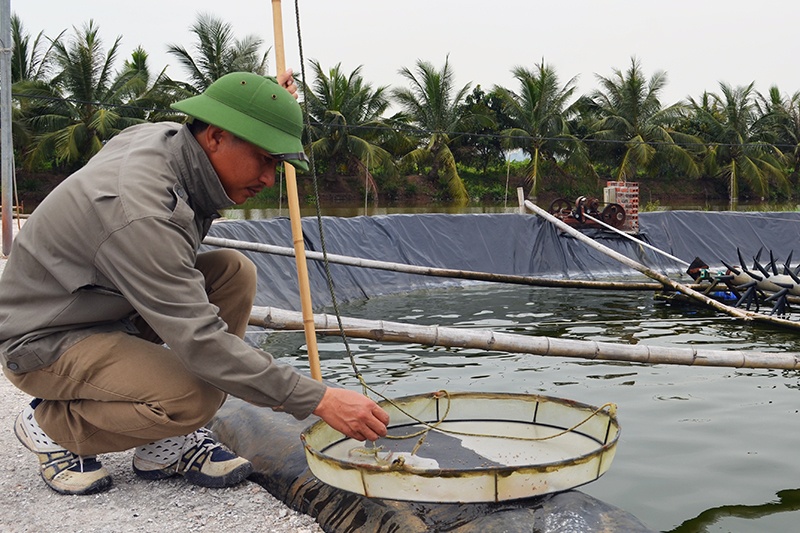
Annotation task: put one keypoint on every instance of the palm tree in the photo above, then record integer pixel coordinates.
(482, 147)
(30, 61)
(78, 110)
(630, 113)
(435, 108)
(218, 53)
(31, 66)
(780, 121)
(147, 96)
(345, 115)
(737, 147)
(540, 126)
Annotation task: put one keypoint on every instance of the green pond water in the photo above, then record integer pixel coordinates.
(701, 449)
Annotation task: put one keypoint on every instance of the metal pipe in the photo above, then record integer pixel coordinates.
(6, 143)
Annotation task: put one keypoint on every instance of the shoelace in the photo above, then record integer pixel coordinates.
(66, 460)
(205, 444)
(87, 459)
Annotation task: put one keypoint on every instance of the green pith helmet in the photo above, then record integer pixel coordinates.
(256, 109)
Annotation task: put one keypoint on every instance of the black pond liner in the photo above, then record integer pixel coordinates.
(499, 243)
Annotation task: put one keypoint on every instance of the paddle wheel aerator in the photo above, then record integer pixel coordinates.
(575, 214)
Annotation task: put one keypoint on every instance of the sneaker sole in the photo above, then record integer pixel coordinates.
(101, 485)
(22, 435)
(234, 477)
(155, 475)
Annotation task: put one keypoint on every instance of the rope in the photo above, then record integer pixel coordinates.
(280, 190)
(313, 169)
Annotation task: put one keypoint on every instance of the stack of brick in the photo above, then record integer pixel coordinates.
(626, 194)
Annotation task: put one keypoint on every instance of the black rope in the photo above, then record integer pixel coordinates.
(313, 169)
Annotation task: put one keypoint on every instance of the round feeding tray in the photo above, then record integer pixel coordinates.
(482, 447)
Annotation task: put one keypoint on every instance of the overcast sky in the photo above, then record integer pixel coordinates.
(699, 43)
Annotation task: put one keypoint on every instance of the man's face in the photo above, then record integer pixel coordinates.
(243, 168)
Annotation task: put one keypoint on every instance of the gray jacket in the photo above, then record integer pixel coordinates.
(119, 237)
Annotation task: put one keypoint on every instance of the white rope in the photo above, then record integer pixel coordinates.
(637, 241)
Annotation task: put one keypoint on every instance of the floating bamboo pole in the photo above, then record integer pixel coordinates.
(433, 271)
(451, 273)
(691, 293)
(382, 330)
(294, 216)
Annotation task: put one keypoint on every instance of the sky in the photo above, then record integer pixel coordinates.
(698, 43)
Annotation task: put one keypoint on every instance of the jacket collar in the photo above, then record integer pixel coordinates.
(206, 194)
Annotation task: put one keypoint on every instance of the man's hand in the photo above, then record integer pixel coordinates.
(286, 81)
(353, 414)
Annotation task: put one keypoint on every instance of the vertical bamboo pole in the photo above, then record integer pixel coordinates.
(294, 217)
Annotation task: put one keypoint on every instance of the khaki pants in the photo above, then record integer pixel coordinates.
(115, 391)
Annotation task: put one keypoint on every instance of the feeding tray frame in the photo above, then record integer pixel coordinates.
(592, 446)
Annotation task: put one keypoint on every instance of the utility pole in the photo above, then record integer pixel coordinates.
(6, 145)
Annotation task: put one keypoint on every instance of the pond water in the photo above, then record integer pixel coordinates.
(701, 449)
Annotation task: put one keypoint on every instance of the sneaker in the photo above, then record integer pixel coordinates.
(196, 456)
(62, 470)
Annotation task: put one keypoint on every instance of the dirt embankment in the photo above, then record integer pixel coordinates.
(32, 188)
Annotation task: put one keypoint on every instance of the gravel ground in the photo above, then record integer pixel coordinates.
(132, 504)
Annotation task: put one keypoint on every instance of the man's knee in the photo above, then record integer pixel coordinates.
(195, 409)
(225, 267)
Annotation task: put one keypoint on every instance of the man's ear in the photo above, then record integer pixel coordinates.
(212, 138)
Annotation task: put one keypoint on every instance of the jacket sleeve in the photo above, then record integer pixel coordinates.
(151, 262)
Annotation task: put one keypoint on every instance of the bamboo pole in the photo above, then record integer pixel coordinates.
(433, 271)
(382, 330)
(294, 216)
(691, 293)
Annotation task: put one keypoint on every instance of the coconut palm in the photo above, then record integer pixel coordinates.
(345, 115)
(218, 53)
(780, 122)
(540, 127)
(31, 66)
(79, 108)
(435, 108)
(30, 60)
(629, 112)
(737, 149)
(147, 96)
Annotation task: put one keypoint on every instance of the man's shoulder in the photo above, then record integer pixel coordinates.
(151, 127)
(145, 132)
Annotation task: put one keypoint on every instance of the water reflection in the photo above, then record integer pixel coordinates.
(254, 210)
(258, 213)
(788, 500)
